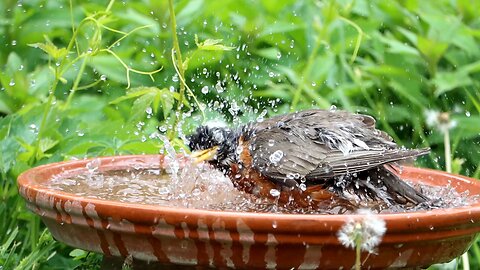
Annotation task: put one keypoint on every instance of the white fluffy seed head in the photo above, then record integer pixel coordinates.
(367, 231)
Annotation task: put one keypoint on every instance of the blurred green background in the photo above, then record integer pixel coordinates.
(65, 95)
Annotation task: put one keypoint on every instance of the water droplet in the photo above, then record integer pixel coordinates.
(234, 108)
(271, 142)
(274, 192)
(12, 82)
(333, 108)
(149, 110)
(103, 77)
(196, 192)
(175, 78)
(205, 90)
(219, 87)
(467, 113)
(276, 156)
(162, 128)
(14, 42)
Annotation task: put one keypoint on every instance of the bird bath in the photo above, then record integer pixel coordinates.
(221, 239)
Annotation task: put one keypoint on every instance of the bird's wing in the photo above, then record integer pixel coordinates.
(317, 144)
(337, 163)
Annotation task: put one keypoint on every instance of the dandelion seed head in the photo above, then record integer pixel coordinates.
(346, 235)
(368, 231)
(439, 120)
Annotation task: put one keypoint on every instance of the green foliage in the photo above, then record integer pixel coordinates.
(145, 97)
(81, 79)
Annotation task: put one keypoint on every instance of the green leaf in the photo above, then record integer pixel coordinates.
(189, 11)
(7, 244)
(13, 62)
(140, 106)
(29, 150)
(50, 49)
(109, 66)
(279, 27)
(46, 247)
(5, 107)
(471, 68)
(133, 93)
(140, 19)
(447, 81)
(78, 254)
(412, 37)
(457, 165)
(431, 49)
(146, 97)
(212, 45)
(47, 144)
(398, 47)
(82, 147)
(269, 53)
(166, 99)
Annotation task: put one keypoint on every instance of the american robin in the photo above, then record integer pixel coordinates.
(309, 157)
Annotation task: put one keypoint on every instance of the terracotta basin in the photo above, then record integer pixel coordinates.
(244, 240)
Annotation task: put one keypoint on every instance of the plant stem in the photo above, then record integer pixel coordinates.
(306, 73)
(43, 122)
(176, 47)
(76, 82)
(448, 165)
(358, 245)
(359, 38)
(51, 97)
(358, 255)
(59, 69)
(110, 4)
(448, 154)
(34, 226)
(465, 261)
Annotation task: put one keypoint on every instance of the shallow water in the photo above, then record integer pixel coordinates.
(200, 186)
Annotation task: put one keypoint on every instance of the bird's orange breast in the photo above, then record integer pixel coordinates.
(246, 178)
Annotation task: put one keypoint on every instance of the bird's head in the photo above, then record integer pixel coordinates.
(216, 145)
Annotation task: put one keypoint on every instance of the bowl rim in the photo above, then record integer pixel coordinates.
(130, 211)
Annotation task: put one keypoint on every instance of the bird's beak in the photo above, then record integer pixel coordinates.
(204, 155)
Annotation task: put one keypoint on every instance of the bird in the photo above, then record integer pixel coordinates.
(310, 158)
